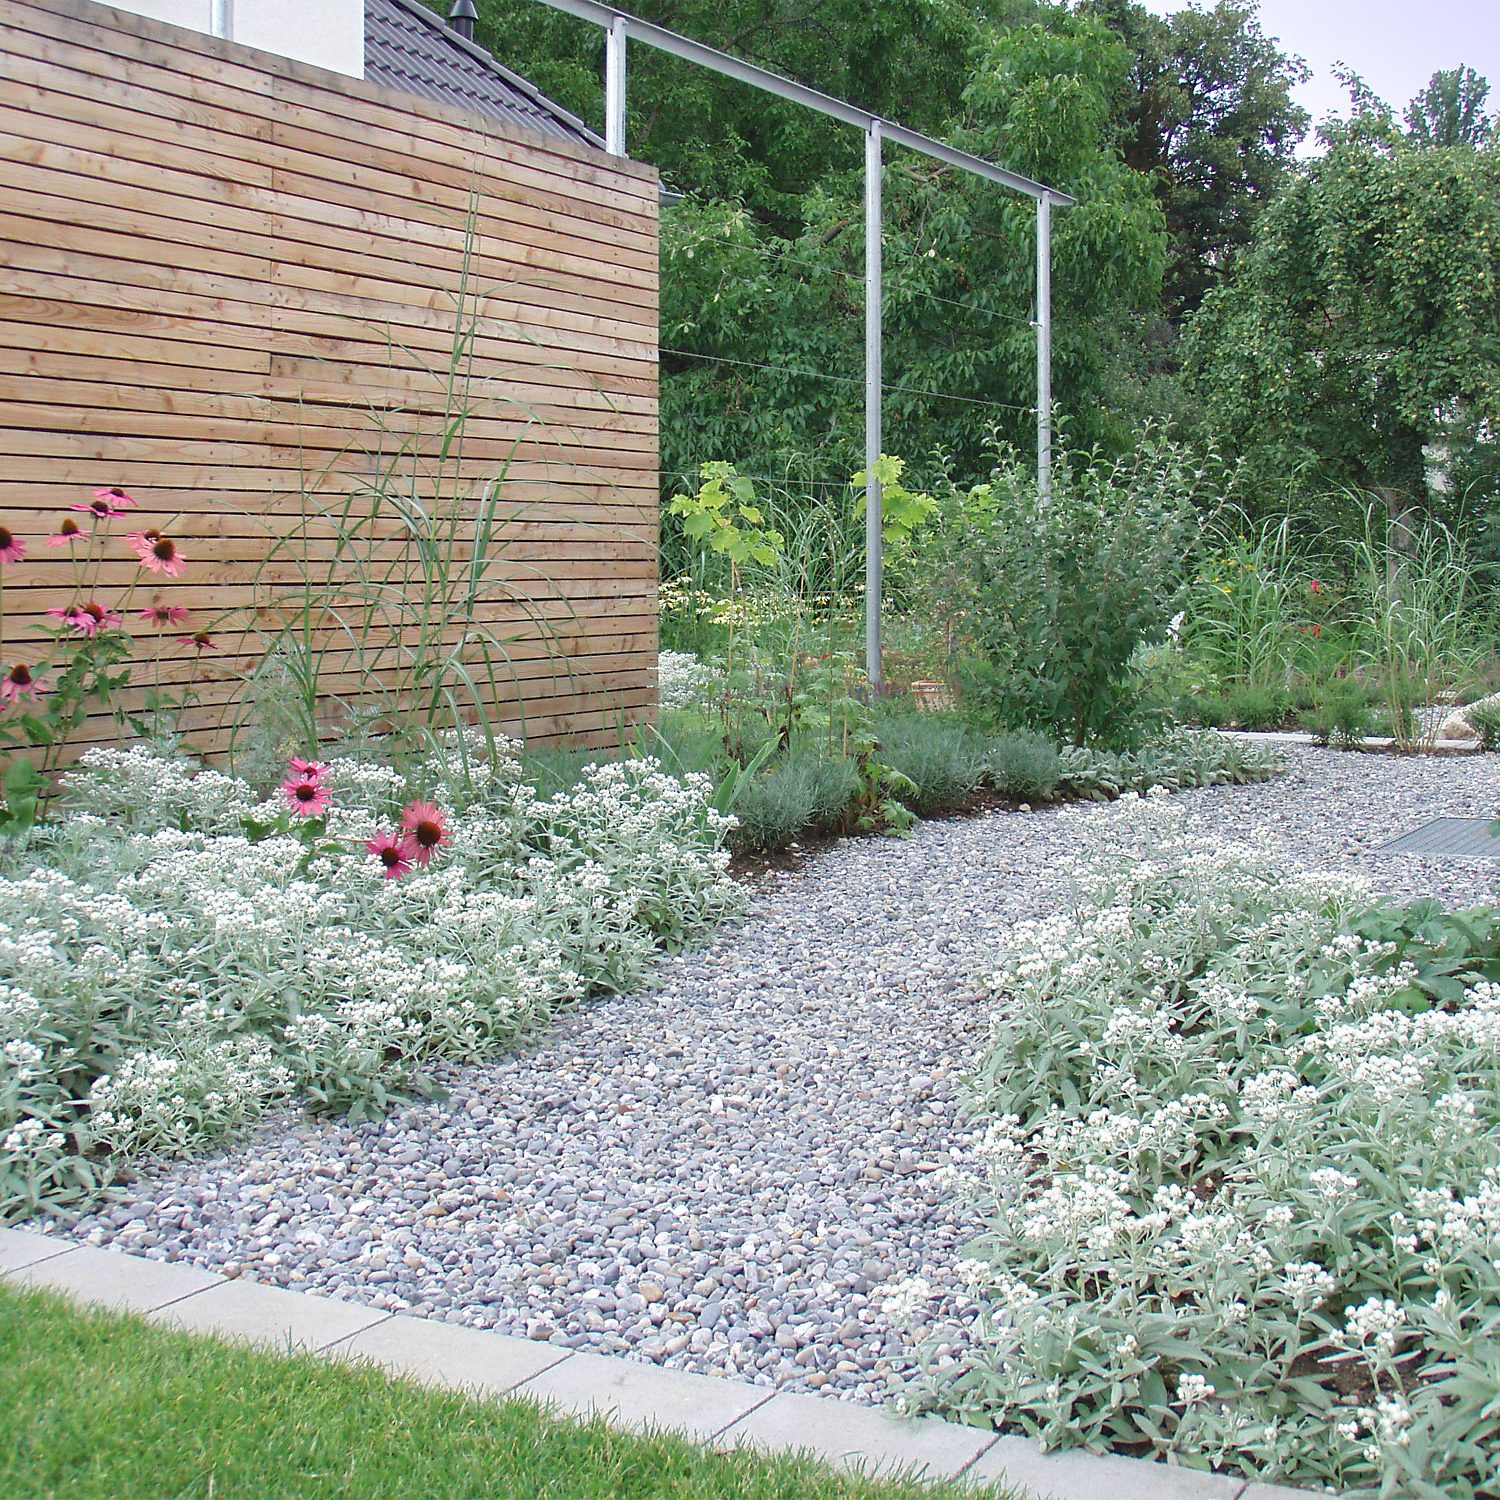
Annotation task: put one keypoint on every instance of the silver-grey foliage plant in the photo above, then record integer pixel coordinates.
(1239, 1173)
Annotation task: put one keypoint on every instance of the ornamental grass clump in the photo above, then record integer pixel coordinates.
(1238, 1160)
(181, 955)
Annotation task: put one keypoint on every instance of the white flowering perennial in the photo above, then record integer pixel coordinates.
(164, 979)
(1238, 1153)
(684, 681)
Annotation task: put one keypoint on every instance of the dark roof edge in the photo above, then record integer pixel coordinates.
(515, 80)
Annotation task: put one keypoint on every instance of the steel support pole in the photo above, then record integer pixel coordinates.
(221, 19)
(1044, 345)
(614, 87)
(873, 375)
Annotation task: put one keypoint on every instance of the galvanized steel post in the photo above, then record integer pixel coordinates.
(873, 376)
(221, 19)
(1044, 345)
(614, 87)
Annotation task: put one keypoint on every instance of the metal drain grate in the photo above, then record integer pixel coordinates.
(1458, 838)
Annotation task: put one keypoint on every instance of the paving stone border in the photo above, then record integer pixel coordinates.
(1371, 742)
(706, 1408)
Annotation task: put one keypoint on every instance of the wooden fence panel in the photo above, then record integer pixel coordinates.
(233, 285)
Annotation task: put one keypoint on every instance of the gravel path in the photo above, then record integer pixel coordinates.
(719, 1173)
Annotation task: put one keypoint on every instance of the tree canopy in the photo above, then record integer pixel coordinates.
(1179, 125)
(1208, 115)
(959, 300)
(1450, 111)
(1360, 338)
(1341, 312)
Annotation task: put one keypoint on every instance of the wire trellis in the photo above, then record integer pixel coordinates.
(910, 390)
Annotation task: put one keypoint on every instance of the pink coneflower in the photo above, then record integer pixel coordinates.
(203, 641)
(313, 770)
(106, 503)
(306, 798)
(87, 619)
(396, 853)
(68, 531)
(158, 553)
(12, 548)
(424, 825)
(19, 685)
(164, 614)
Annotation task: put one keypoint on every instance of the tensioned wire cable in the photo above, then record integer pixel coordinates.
(782, 257)
(909, 390)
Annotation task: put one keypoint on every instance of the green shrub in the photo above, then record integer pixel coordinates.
(1241, 705)
(1024, 765)
(1342, 716)
(1251, 706)
(1056, 594)
(942, 758)
(803, 792)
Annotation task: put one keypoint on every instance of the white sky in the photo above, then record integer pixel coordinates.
(1396, 45)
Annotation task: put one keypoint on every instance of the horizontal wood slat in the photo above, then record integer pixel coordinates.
(233, 285)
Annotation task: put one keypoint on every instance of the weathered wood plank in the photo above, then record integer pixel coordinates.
(207, 297)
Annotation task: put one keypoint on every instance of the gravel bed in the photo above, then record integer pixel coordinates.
(720, 1173)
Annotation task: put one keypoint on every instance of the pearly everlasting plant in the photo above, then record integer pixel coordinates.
(168, 978)
(1237, 1153)
(684, 681)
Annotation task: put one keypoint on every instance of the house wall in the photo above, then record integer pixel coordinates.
(326, 33)
(227, 283)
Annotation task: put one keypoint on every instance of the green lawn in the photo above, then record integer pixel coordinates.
(95, 1404)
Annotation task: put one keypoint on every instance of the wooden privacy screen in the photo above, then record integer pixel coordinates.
(227, 281)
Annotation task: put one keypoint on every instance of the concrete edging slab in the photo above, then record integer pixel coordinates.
(635, 1396)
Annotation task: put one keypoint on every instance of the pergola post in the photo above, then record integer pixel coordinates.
(614, 86)
(1044, 345)
(877, 130)
(873, 378)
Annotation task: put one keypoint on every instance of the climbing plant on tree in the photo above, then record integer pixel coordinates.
(1360, 336)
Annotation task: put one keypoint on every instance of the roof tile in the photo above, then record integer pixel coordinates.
(407, 47)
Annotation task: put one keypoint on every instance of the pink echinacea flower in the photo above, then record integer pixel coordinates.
(425, 825)
(395, 852)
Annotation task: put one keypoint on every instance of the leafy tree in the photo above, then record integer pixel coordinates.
(762, 264)
(1360, 336)
(711, 136)
(1208, 114)
(1450, 111)
(960, 281)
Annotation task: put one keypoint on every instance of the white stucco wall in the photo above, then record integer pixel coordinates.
(327, 33)
(193, 14)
